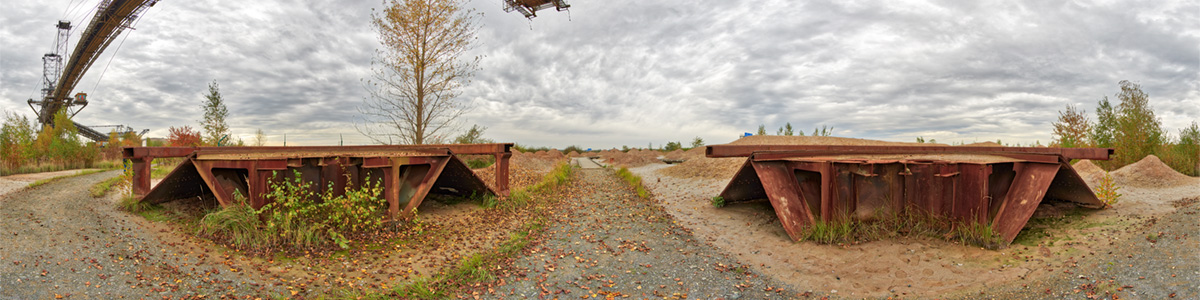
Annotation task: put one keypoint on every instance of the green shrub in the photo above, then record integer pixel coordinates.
(1108, 191)
(298, 218)
(718, 201)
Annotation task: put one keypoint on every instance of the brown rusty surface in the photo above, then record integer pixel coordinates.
(1023, 197)
(995, 186)
(317, 151)
(792, 211)
(408, 173)
(794, 150)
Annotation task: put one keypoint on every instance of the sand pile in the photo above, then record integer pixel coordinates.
(674, 155)
(983, 144)
(699, 166)
(707, 168)
(694, 153)
(817, 140)
(551, 155)
(1150, 172)
(524, 169)
(574, 154)
(1090, 172)
(631, 159)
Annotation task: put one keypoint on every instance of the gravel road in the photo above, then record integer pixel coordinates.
(58, 241)
(606, 242)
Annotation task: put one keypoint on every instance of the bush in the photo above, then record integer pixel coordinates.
(299, 218)
(1108, 191)
(57, 147)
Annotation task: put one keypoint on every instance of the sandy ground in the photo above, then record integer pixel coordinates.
(12, 183)
(904, 267)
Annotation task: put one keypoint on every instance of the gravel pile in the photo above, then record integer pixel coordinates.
(524, 169)
(1150, 172)
(632, 159)
(818, 140)
(1090, 172)
(607, 243)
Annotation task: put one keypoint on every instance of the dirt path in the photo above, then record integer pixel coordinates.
(13, 183)
(901, 267)
(585, 163)
(1154, 258)
(605, 241)
(56, 240)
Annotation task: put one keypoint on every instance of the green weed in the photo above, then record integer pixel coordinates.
(49, 180)
(239, 223)
(634, 181)
(472, 269)
(133, 205)
(559, 176)
(101, 188)
(718, 201)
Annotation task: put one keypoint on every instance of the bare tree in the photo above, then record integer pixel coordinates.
(260, 138)
(420, 71)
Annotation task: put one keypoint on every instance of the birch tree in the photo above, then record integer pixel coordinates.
(419, 72)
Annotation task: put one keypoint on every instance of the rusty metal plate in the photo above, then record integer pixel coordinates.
(995, 186)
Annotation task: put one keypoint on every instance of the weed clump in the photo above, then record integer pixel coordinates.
(634, 181)
(718, 201)
(559, 176)
(907, 223)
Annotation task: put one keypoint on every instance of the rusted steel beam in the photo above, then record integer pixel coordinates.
(748, 150)
(1000, 191)
(309, 151)
(785, 197)
(1023, 197)
(282, 158)
(156, 152)
(226, 174)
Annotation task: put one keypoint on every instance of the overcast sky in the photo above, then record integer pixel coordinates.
(613, 73)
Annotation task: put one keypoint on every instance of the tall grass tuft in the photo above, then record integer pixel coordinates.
(239, 223)
(634, 181)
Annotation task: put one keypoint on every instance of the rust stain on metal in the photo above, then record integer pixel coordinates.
(408, 173)
(995, 186)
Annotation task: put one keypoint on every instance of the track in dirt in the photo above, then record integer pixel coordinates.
(56, 240)
(604, 241)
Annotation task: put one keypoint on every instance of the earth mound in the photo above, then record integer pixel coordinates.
(1151, 172)
(1089, 171)
(818, 140)
(631, 159)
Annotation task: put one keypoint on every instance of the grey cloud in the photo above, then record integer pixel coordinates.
(629, 73)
